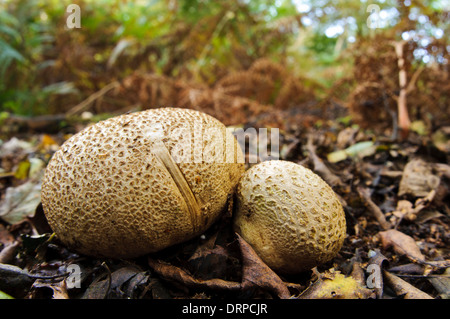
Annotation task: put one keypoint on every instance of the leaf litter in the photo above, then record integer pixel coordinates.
(395, 195)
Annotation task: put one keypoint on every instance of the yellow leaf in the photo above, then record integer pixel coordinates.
(47, 142)
(334, 285)
(22, 170)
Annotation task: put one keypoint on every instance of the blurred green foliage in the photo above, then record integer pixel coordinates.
(24, 38)
(44, 65)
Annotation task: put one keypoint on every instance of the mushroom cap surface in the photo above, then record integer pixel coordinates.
(289, 215)
(140, 182)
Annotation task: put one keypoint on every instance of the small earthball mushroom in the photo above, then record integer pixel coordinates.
(140, 182)
(289, 215)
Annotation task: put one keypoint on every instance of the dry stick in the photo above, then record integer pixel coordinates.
(14, 272)
(108, 288)
(373, 208)
(84, 104)
(403, 117)
(415, 76)
(47, 123)
(403, 288)
(320, 167)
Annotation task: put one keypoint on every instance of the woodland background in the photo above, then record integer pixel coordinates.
(359, 90)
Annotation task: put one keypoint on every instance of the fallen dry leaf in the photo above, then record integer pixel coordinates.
(20, 202)
(409, 211)
(402, 244)
(121, 283)
(418, 179)
(41, 289)
(209, 259)
(409, 269)
(256, 272)
(404, 208)
(6, 237)
(358, 273)
(406, 245)
(334, 285)
(8, 252)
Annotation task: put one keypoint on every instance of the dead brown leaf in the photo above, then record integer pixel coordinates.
(121, 283)
(43, 289)
(406, 245)
(402, 244)
(418, 179)
(406, 210)
(256, 272)
(409, 269)
(334, 285)
(8, 252)
(6, 237)
(210, 260)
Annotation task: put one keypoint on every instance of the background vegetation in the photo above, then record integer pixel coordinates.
(166, 52)
(359, 91)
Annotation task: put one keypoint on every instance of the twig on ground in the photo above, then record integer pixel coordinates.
(373, 208)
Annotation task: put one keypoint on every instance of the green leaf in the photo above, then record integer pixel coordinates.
(22, 170)
(7, 51)
(11, 32)
(419, 127)
(5, 295)
(361, 149)
(60, 88)
(7, 18)
(337, 156)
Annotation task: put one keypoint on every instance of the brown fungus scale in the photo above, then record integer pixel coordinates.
(289, 215)
(140, 182)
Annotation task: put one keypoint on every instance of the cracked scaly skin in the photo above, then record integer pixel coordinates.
(289, 215)
(121, 188)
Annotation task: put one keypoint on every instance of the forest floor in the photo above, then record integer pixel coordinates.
(396, 200)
